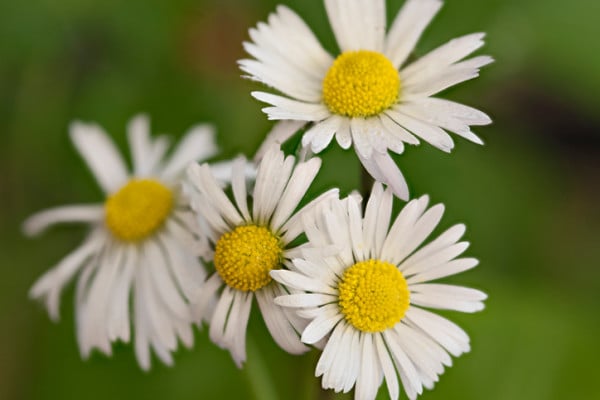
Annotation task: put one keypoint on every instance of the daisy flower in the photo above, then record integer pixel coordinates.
(139, 244)
(367, 300)
(249, 241)
(370, 96)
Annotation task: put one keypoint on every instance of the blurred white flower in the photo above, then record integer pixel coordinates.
(142, 243)
(250, 240)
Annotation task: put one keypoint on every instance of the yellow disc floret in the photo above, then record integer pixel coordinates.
(373, 295)
(245, 256)
(361, 84)
(138, 209)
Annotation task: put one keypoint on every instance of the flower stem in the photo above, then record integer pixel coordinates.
(257, 374)
(366, 184)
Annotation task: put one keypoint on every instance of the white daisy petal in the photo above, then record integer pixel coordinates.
(450, 268)
(332, 347)
(320, 134)
(280, 133)
(187, 271)
(321, 326)
(37, 223)
(449, 109)
(445, 55)
(446, 333)
(384, 213)
(237, 322)
(420, 231)
(301, 282)
(305, 300)
(281, 330)
(352, 368)
(100, 154)
(355, 225)
(49, 285)
(161, 327)
(448, 297)
(285, 108)
(197, 144)
(439, 257)
(423, 351)
(370, 219)
(204, 181)
(343, 135)
(276, 74)
(82, 289)
(238, 349)
(219, 319)
(272, 177)
(93, 322)
(295, 190)
(368, 382)
(383, 168)
(406, 369)
(432, 134)
(383, 139)
(162, 352)
(336, 377)
(146, 152)
(357, 25)
(285, 48)
(399, 229)
(293, 227)
(449, 237)
(204, 298)
(401, 134)
(387, 366)
(210, 215)
(427, 368)
(361, 129)
(118, 314)
(342, 250)
(163, 283)
(446, 122)
(138, 134)
(142, 342)
(185, 333)
(238, 186)
(313, 51)
(443, 79)
(409, 24)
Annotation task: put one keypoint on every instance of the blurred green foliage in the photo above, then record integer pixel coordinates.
(529, 197)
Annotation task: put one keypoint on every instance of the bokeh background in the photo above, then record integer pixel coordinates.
(530, 197)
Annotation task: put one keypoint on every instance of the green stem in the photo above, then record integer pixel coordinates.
(257, 374)
(366, 184)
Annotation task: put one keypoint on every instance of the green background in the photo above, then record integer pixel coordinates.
(530, 197)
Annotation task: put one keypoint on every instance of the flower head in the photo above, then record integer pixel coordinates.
(249, 243)
(366, 299)
(140, 245)
(368, 96)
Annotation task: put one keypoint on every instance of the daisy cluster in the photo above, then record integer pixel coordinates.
(178, 241)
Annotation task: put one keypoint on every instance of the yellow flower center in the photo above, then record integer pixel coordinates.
(361, 84)
(373, 295)
(138, 209)
(245, 256)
